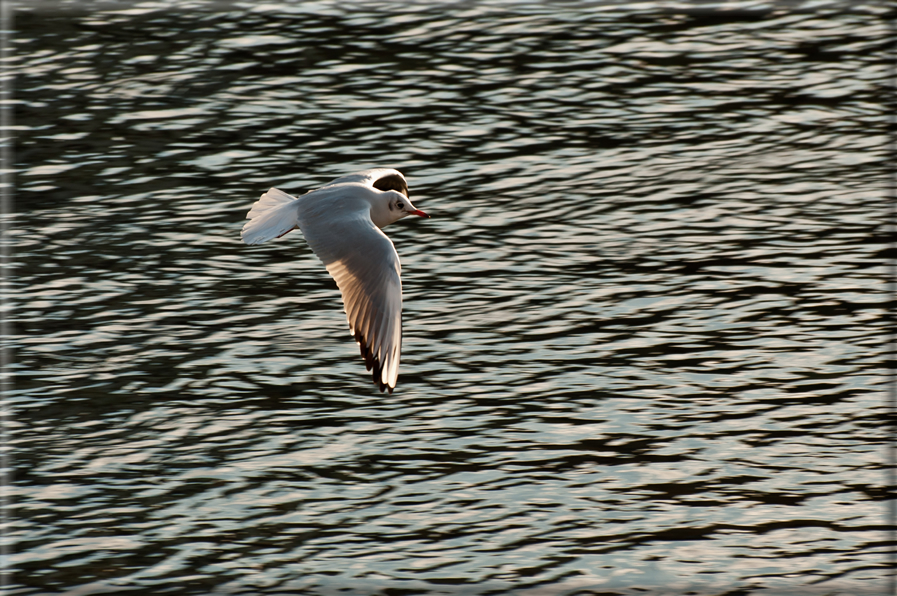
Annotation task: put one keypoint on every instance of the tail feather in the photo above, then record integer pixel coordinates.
(272, 216)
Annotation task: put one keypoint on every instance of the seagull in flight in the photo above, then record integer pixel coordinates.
(342, 223)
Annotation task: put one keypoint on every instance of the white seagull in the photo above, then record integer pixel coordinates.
(341, 222)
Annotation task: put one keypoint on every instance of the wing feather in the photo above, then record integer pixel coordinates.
(365, 265)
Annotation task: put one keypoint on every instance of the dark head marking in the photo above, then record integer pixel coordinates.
(391, 182)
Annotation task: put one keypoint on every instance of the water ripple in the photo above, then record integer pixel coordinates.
(643, 330)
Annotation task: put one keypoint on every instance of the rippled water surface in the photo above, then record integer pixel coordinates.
(643, 331)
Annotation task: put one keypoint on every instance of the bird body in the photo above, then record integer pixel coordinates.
(341, 222)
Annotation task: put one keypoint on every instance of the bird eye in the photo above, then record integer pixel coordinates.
(401, 205)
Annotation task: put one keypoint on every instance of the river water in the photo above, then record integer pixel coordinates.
(644, 330)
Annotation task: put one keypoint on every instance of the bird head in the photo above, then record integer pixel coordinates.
(391, 206)
(401, 206)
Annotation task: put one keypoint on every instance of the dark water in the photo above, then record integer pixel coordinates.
(644, 330)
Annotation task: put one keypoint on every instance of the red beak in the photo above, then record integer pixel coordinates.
(420, 213)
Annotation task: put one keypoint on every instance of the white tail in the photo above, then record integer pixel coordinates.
(272, 216)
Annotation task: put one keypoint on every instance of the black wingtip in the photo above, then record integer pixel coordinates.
(372, 363)
(392, 182)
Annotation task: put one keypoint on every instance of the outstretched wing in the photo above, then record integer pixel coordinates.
(366, 267)
(379, 178)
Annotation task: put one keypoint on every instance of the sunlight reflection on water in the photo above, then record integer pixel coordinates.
(642, 331)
